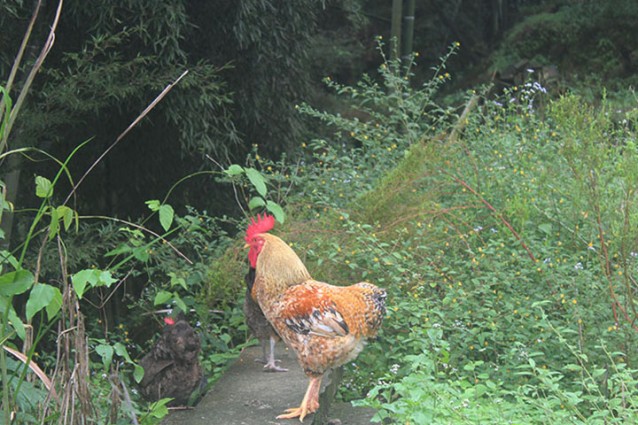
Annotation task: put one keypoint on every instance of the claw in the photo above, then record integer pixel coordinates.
(269, 367)
(270, 360)
(310, 402)
(296, 412)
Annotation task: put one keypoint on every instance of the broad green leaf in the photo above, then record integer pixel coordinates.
(158, 409)
(17, 282)
(162, 297)
(67, 215)
(55, 305)
(55, 223)
(276, 211)
(138, 373)
(106, 352)
(153, 204)
(166, 214)
(177, 280)
(105, 279)
(92, 277)
(120, 350)
(43, 187)
(80, 280)
(41, 296)
(17, 324)
(141, 253)
(234, 170)
(257, 181)
(179, 303)
(256, 202)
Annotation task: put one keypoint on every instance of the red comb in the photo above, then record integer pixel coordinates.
(169, 321)
(261, 225)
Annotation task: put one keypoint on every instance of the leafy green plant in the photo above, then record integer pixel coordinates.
(470, 233)
(259, 184)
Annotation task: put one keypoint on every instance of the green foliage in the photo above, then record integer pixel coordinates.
(386, 117)
(562, 36)
(506, 262)
(258, 182)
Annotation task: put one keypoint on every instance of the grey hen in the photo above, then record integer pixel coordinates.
(260, 328)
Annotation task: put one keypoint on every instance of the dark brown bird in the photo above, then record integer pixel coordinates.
(260, 328)
(171, 368)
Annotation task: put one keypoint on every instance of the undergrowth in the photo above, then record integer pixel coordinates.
(508, 252)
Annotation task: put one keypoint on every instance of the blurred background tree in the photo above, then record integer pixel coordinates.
(250, 62)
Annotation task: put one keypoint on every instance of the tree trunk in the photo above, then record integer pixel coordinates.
(395, 30)
(408, 30)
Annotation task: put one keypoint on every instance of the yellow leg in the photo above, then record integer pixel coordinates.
(310, 402)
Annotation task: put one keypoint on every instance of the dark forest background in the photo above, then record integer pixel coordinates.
(250, 63)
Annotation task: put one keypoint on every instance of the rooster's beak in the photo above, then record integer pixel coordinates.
(246, 246)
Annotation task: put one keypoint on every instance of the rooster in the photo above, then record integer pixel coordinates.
(260, 328)
(325, 325)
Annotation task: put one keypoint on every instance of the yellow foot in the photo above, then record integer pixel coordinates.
(297, 412)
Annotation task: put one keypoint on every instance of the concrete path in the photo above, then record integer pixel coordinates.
(246, 395)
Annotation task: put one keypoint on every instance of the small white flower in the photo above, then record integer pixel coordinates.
(578, 266)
